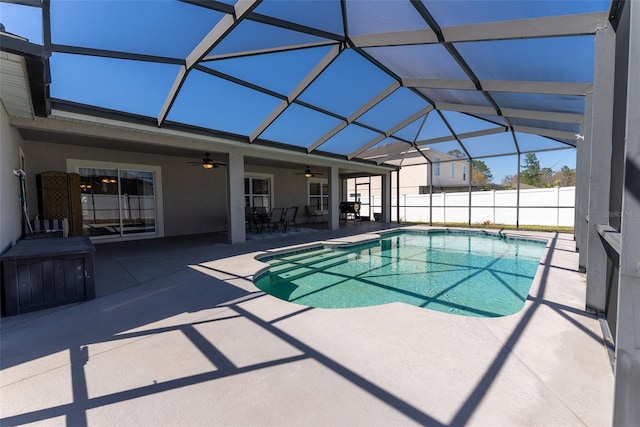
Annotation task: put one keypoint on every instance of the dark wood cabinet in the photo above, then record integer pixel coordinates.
(42, 273)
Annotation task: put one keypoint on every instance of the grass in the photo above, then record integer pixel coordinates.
(561, 229)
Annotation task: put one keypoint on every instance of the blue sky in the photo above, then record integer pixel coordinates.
(174, 28)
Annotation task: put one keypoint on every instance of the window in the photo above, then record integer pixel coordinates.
(257, 191)
(452, 170)
(436, 167)
(464, 172)
(319, 195)
(118, 200)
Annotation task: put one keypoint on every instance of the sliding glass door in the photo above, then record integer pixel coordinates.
(118, 202)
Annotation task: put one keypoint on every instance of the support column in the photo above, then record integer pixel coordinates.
(398, 196)
(334, 199)
(518, 193)
(576, 199)
(582, 185)
(430, 192)
(470, 188)
(235, 199)
(386, 198)
(626, 411)
(600, 170)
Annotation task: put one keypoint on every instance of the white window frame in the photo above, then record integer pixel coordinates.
(436, 166)
(322, 195)
(261, 176)
(452, 170)
(74, 165)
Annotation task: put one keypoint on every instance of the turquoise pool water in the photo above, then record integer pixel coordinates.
(464, 273)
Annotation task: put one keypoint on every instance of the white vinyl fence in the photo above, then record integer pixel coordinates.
(538, 206)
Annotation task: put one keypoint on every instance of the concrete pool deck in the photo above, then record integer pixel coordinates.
(179, 335)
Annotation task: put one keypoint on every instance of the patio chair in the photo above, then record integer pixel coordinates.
(48, 228)
(290, 218)
(312, 213)
(275, 219)
(248, 218)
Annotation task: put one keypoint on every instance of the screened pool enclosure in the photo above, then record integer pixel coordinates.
(362, 80)
(348, 89)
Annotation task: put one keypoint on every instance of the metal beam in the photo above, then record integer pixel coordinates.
(21, 47)
(394, 154)
(626, 411)
(77, 50)
(391, 131)
(240, 10)
(173, 93)
(397, 38)
(221, 29)
(550, 26)
(240, 82)
(438, 84)
(518, 193)
(365, 147)
(306, 82)
(546, 88)
(474, 134)
(254, 52)
(464, 108)
(550, 133)
(413, 143)
(600, 176)
(33, 3)
(583, 170)
(359, 112)
(543, 115)
(374, 101)
(549, 88)
(269, 20)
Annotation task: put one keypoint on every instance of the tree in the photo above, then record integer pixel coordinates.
(509, 181)
(547, 178)
(456, 153)
(531, 173)
(565, 177)
(481, 174)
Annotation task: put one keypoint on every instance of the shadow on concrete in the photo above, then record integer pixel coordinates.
(112, 318)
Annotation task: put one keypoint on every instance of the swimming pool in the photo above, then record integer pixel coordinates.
(465, 273)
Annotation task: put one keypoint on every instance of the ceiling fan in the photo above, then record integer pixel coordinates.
(207, 162)
(308, 173)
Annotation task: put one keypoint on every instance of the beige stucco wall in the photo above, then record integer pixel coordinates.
(412, 177)
(194, 199)
(289, 189)
(10, 215)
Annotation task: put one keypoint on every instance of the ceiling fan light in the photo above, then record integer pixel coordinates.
(308, 175)
(207, 165)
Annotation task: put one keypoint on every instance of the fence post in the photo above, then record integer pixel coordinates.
(404, 205)
(493, 202)
(444, 207)
(558, 206)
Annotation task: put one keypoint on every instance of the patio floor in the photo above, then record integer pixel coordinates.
(179, 335)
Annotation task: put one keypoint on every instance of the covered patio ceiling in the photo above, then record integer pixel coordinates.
(361, 80)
